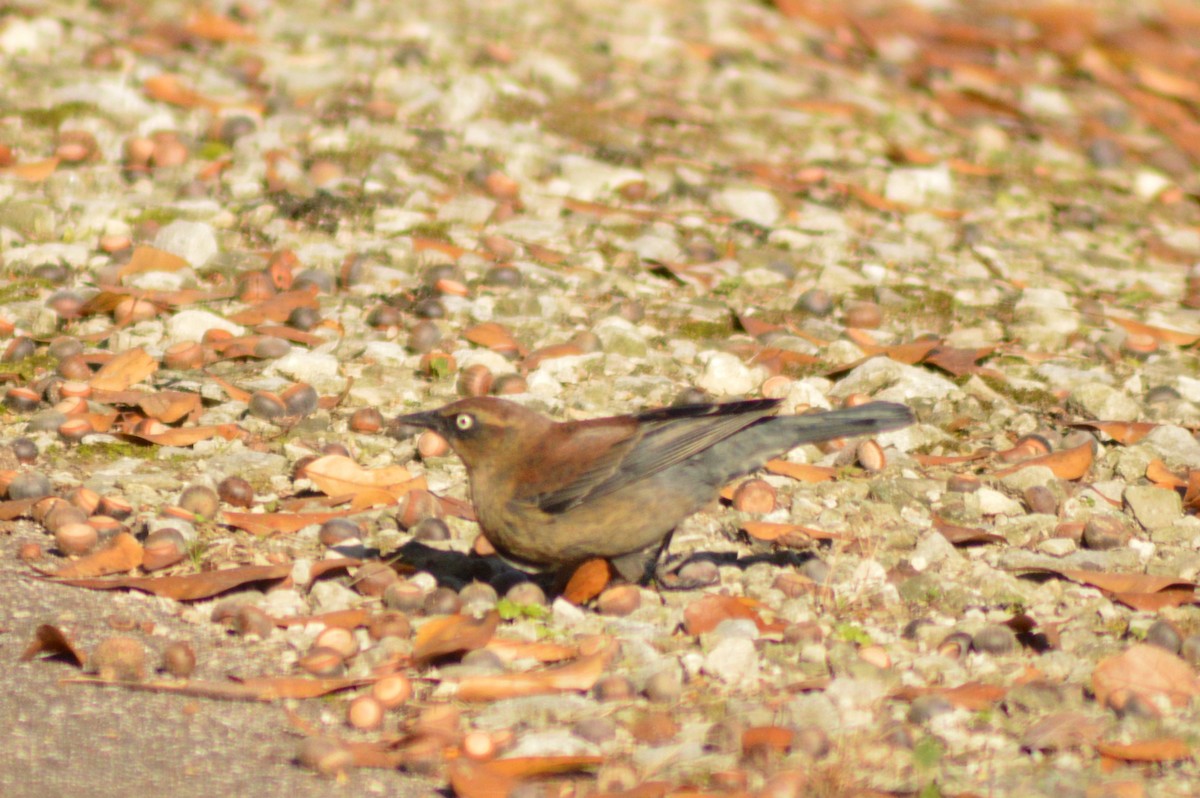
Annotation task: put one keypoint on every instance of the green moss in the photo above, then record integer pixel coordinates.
(212, 150)
(54, 117)
(510, 610)
(106, 451)
(851, 633)
(703, 330)
(156, 216)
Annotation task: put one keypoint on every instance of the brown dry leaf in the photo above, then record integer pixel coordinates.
(1158, 473)
(1123, 432)
(588, 581)
(453, 634)
(1153, 602)
(188, 436)
(929, 460)
(475, 780)
(578, 676)
(54, 641)
(542, 651)
(343, 619)
(16, 508)
(703, 614)
(1162, 334)
(151, 259)
(270, 688)
(279, 523)
(1147, 672)
(193, 587)
(1161, 749)
(964, 535)
(172, 89)
(338, 475)
(277, 308)
(493, 336)
(235, 393)
(800, 471)
(961, 362)
(775, 738)
(1062, 730)
(539, 356)
(787, 534)
(524, 767)
(126, 369)
(32, 171)
(421, 244)
(1072, 463)
(218, 28)
(1116, 583)
(123, 553)
(974, 696)
(909, 354)
(170, 406)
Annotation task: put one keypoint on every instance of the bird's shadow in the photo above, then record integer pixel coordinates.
(455, 569)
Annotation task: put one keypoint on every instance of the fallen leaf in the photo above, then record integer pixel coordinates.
(1162, 334)
(493, 336)
(1161, 749)
(277, 308)
(542, 651)
(588, 581)
(170, 406)
(279, 523)
(1061, 731)
(1124, 432)
(787, 534)
(800, 471)
(578, 676)
(151, 259)
(1115, 582)
(963, 535)
(1158, 473)
(703, 614)
(215, 27)
(1146, 672)
(1070, 464)
(342, 619)
(774, 738)
(32, 171)
(123, 553)
(128, 368)
(267, 688)
(54, 641)
(192, 587)
(188, 436)
(453, 634)
(338, 475)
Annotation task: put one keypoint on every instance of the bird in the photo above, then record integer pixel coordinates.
(552, 495)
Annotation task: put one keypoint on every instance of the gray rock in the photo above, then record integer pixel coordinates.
(1154, 507)
(1104, 402)
(1175, 445)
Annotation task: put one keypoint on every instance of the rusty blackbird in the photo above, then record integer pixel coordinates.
(556, 494)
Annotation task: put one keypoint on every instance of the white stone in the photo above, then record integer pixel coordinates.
(191, 325)
(726, 375)
(919, 187)
(734, 661)
(753, 204)
(195, 242)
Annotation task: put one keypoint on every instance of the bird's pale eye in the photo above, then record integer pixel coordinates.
(464, 421)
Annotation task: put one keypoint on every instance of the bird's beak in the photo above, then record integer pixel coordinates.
(427, 420)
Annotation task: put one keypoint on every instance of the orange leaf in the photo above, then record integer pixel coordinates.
(703, 614)
(1124, 432)
(542, 651)
(1116, 583)
(277, 308)
(172, 90)
(800, 471)
(338, 475)
(123, 553)
(787, 534)
(169, 406)
(1162, 334)
(588, 581)
(1162, 749)
(959, 535)
(539, 356)
(776, 738)
(150, 259)
(126, 369)
(32, 171)
(218, 28)
(1158, 473)
(188, 436)
(276, 523)
(208, 584)
(578, 676)
(493, 336)
(1146, 672)
(342, 619)
(1066, 463)
(452, 634)
(52, 640)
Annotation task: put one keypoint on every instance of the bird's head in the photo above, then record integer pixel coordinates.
(482, 430)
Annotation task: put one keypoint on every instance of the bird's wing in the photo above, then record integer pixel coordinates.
(664, 438)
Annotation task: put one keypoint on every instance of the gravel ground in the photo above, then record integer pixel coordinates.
(593, 209)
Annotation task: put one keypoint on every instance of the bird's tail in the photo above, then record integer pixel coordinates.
(868, 419)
